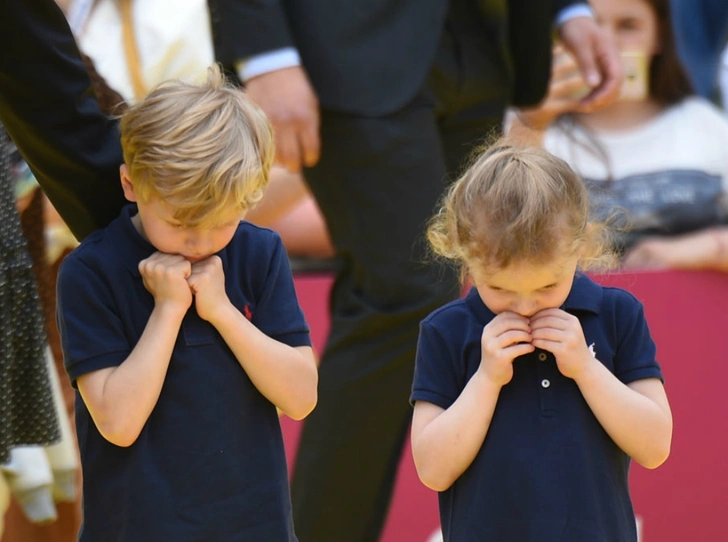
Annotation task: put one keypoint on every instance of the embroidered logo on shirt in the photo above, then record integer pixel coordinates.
(248, 313)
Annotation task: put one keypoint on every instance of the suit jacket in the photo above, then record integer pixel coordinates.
(372, 57)
(49, 109)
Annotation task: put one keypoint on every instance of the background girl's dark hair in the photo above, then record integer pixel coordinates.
(669, 82)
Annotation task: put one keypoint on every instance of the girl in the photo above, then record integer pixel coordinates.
(657, 154)
(532, 393)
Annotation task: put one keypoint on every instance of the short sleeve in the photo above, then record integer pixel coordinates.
(635, 355)
(92, 334)
(437, 379)
(278, 313)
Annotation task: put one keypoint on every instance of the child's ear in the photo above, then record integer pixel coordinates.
(126, 183)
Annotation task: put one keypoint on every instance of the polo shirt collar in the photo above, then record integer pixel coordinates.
(132, 246)
(128, 241)
(585, 295)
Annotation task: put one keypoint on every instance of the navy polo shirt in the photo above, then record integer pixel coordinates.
(209, 465)
(547, 470)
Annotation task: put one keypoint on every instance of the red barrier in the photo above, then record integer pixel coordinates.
(681, 501)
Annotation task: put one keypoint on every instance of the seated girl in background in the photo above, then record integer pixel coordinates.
(656, 159)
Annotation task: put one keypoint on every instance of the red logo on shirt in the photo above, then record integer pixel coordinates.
(248, 313)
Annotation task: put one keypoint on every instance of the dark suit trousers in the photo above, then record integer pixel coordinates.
(377, 183)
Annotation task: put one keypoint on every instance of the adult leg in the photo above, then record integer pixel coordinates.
(377, 183)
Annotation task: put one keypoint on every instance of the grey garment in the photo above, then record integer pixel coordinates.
(668, 202)
(27, 410)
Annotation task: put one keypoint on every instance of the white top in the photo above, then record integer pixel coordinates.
(691, 135)
(669, 175)
(173, 39)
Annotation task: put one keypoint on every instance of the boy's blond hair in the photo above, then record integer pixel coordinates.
(202, 149)
(517, 204)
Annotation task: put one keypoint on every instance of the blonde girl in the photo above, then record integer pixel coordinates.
(533, 392)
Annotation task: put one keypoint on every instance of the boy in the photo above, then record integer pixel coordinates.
(182, 333)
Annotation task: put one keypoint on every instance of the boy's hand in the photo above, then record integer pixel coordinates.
(505, 338)
(165, 277)
(207, 283)
(560, 333)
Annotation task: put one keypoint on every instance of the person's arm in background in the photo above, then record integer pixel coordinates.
(530, 42)
(48, 107)
(566, 90)
(585, 74)
(704, 249)
(254, 38)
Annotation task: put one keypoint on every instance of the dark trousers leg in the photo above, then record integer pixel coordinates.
(378, 183)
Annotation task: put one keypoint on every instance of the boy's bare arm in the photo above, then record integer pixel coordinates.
(121, 399)
(286, 376)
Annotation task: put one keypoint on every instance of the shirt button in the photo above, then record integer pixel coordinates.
(542, 356)
(545, 383)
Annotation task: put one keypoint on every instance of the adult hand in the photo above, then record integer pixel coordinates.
(560, 333)
(504, 338)
(288, 99)
(598, 58)
(165, 277)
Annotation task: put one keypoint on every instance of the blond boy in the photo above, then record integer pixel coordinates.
(182, 333)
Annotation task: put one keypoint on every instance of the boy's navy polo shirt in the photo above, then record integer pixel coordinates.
(547, 470)
(209, 465)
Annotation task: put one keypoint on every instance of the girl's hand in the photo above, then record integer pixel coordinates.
(505, 338)
(207, 283)
(567, 88)
(560, 333)
(165, 277)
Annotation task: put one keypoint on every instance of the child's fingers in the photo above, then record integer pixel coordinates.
(512, 337)
(547, 313)
(546, 344)
(161, 264)
(508, 320)
(550, 322)
(516, 350)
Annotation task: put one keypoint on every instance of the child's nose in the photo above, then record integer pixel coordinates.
(524, 306)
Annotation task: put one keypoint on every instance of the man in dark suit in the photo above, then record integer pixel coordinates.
(406, 89)
(48, 107)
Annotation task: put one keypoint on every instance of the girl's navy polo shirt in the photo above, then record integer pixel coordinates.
(209, 464)
(547, 470)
